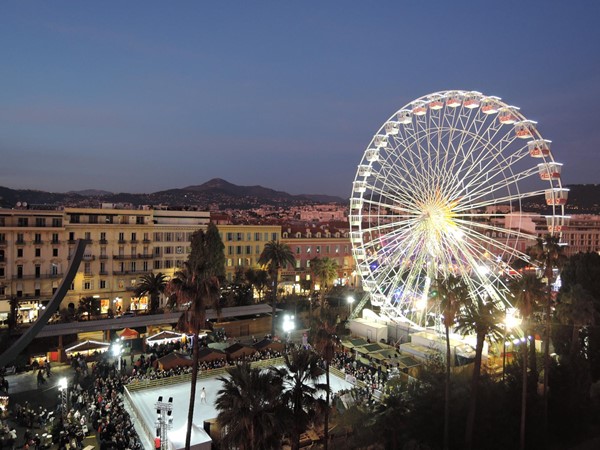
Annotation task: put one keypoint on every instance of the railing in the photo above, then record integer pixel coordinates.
(202, 374)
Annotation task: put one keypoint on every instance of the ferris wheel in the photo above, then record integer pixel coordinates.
(441, 190)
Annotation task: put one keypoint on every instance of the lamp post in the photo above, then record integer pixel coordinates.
(117, 348)
(288, 327)
(510, 321)
(164, 420)
(64, 397)
(350, 300)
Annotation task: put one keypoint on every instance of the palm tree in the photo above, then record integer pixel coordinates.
(152, 285)
(527, 291)
(196, 286)
(300, 388)
(325, 344)
(275, 256)
(452, 292)
(482, 319)
(250, 409)
(548, 252)
(326, 271)
(258, 279)
(576, 307)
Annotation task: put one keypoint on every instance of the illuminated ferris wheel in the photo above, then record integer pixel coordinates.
(440, 190)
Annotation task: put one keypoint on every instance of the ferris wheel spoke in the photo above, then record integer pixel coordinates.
(500, 200)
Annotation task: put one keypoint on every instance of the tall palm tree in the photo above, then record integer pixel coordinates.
(196, 286)
(300, 389)
(548, 252)
(152, 285)
(452, 293)
(249, 408)
(325, 344)
(576, 307)
(326, 271)
(275, 256)
(482, 319)
(259, 280)
(527, 291)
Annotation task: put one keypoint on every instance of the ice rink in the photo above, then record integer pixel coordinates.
(145, 400)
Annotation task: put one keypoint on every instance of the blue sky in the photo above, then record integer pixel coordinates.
(144, 96)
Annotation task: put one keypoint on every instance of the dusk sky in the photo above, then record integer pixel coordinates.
(146, 96)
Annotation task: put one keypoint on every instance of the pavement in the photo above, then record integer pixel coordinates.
(23, 389)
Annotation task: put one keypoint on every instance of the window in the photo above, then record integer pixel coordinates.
(55, 238)
(133, 266)
(145, 266)
(56, 222)
(168, 237)
(54, 269)
(168, 264)
(121, 237)
(238, 250)
(71, 235)
(240, 237)
(109, 219)
(40, 222)
(308, 249)
(230, 237)
(38, 238)
(139, 220)
(20, 238)
(102, 267)
(318, 249)
(133, 237)
(93, 218)
(156, 251)
(298, 250)
(88, 236)
(87, 285)
(248, 249)
(158, 237)
(19, 271)
(168, 250)
(157, 264)
(102, 284)
(19, 253)
(273, 236)
(38, 252)
(55, 253)
(257, 236)
(87, 268)
(38, 271)
(22, 222)
(2, 275)
(230, 250)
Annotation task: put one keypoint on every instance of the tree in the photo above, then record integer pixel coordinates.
(196, 286)
(152, 285)
(300, 388)
(576, 308)
(249, 408)
(452, 293)
(325, 344)
(527, 291)
(88, 306)
(326, 271)
(275, 256)
(548, 252)
(482, 319)
(258, 280)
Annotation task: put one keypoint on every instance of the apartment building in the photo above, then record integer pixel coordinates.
(308, 242)
(123, 244)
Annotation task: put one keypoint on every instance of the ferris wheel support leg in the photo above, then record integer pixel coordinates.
(361, 304)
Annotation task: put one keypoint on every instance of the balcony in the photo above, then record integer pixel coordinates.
(134, 241)
(89, 258)
(103, 272)
(103, 241)
(55, 242)
(20, 242)
(38, 242)
(72, 241)
(121, 241)
(144, 256)
(146, 241)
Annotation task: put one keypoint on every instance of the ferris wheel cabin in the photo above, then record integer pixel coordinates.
(539, 148)
(436, 102)
(372, 154)
(453, 99)
(557, 224)
(556, 196)
(380, 140)
(550, 170)
(419, 108)
(508, 116)
(392, 128)
(490, 105)
(525, 129)
(404, 116)
(364, 170)
(472, 100)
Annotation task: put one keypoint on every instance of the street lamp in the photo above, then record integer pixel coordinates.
(510, 321)
(288, 326)
(350, 300)
(64, 397)
(117, 348)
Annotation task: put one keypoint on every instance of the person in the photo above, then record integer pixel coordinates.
(203, 395)
(157, 443)
(40, 378)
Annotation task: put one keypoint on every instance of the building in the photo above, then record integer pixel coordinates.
(124, 244)
(309, 242)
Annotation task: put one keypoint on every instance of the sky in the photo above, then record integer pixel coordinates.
(142, 96)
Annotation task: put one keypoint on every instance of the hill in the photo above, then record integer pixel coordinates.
(214, 192)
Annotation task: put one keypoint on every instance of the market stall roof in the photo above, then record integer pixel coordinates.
(269, 344)
(128, 333)
(211, 354)
(239, 350)
(351, 343)
(371, 348)
(87, 346)
(164, 337)
(174, 359)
